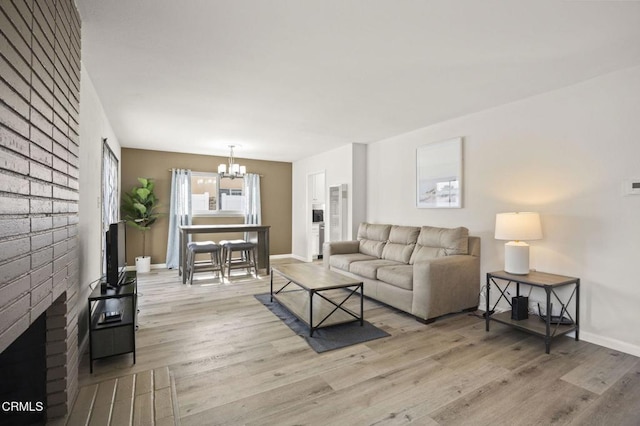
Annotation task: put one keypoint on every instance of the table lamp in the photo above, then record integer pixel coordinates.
(517, 228)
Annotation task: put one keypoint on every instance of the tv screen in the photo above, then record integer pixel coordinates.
(116, 253)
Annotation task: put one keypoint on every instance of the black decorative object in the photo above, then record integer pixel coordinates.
(519, 308)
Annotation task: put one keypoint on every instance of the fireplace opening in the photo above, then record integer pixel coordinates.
(23, 375)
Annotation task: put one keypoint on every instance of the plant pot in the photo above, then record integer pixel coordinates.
(143, 264)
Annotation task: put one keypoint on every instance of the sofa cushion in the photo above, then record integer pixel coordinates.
(372, 238)
(437, 242)
(426, 253)
(369, 268)
(397, 275)
(342, 261)
(402, 240)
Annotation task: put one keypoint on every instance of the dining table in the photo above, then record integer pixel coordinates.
(256, 233)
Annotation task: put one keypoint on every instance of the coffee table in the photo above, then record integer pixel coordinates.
(305, 295)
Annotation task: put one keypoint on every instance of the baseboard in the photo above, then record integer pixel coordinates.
(273, 256)
(281, 256)
(152, 266)
(610, 343)
(300, 258)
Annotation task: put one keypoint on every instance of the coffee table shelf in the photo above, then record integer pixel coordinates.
(308, 299)
(297, 302)
(534, 324)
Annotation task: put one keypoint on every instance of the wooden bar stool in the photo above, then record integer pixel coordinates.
(215, 264)
(248, 256)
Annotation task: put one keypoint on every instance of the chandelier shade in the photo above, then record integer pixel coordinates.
(234, 170)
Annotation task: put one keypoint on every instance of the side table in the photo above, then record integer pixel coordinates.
(536, 325)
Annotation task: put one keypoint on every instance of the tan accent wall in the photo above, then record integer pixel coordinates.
(275, 189)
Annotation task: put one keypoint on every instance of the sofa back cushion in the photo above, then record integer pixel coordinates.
(438, 242)
(372, 238)
(402, 240)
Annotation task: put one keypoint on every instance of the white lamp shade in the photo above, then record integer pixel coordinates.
(243, 170)
(222, 168)
(518, 226)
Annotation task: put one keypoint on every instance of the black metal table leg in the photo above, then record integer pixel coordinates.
(547, 337)
(361, 305)
(577, 309)
(488, 309)
(311, 313)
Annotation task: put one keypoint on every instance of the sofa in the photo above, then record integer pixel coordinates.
(425, 271)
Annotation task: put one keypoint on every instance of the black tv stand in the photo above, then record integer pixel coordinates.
(115, 336)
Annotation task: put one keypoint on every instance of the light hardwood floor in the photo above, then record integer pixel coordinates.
(231, 361)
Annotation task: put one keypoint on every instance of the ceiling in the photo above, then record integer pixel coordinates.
(286, 79)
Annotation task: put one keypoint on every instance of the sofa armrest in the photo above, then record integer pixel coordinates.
(444, 285)
(338, 247)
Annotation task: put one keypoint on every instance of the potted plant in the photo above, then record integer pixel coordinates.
(139, 211)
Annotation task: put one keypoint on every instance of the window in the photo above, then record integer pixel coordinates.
(211, 195)
(204, 193)
(110, 192)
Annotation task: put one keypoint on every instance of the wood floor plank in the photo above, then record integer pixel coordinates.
(211, 353)
(286, 344)
(144, 382)
(261, 405)
(395, 356)
(103, 405)
(161, 378)
(362, 396)
(122, 413)
(427, 394)
(84, 401)
(217, 392)
(557, 403)
(143, 409)
(601, 371)
(166, 421)
(162, 403)
(489, 403)
(618, 405)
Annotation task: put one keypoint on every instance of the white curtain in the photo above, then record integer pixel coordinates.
(179, 213)
(252, 209)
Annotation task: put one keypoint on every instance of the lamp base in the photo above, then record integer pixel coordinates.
(516, 258)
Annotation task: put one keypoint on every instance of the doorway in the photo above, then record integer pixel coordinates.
(316, 201)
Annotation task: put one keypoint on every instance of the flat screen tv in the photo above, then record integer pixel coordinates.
(116, 255)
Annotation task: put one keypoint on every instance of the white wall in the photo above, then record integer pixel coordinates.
(564, 154)
(94, 126)
(358, 196)
(341, 165)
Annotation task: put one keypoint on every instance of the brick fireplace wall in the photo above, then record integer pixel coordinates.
(39, 146)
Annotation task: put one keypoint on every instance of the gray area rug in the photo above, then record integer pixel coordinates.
(328, 338)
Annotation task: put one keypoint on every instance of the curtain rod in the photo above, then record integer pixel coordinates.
(170, 170)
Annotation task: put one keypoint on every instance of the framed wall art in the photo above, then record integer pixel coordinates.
(439, 174)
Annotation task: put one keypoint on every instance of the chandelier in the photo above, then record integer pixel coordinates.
(235, 170)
